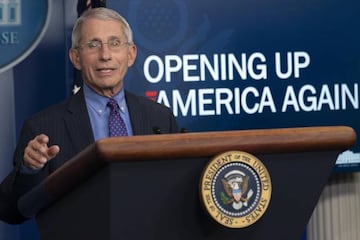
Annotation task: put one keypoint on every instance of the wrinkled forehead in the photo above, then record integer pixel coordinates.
(94, 28)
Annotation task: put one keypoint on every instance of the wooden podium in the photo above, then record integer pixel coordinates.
(147, 187)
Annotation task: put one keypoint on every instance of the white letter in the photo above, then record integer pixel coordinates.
(279, 73)
(325, 98)
(354, 99)
(169, 69)
(290, 99)
(241, 70)
(297, 64)
(312, 100)
(187, 67)
(190, 102)
(163, 99)
(244, 95)
(267, 100)
(261, 67)
(226, 101)
(206, 65)
(203, 102)
(146, 69)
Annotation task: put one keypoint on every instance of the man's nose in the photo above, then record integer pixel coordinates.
(105, 52)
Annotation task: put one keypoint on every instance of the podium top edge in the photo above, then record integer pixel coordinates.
(204, 144)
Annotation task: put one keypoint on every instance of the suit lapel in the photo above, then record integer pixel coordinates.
(137, 114)
(78, 123)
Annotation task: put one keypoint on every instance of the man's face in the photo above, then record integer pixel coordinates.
(103, 68)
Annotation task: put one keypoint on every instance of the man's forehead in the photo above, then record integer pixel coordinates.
(103, 29)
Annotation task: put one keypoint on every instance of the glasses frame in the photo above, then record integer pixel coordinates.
(96, 45)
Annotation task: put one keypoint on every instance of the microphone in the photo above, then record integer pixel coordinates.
(157, 130)
(184, 130)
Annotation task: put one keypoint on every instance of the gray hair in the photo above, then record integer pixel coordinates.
(103, 14)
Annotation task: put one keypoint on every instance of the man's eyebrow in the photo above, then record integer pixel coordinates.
(94, 39)
(100, 40)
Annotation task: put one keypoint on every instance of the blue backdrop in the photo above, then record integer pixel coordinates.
(220, 65)
(245, 65)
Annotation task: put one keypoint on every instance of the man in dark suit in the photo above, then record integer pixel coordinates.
(103, 50)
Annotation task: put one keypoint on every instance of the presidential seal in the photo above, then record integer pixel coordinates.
(235, 189)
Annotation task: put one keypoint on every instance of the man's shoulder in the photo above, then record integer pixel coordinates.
(57, 109)
(132, 98)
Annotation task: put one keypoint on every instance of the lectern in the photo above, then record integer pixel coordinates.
(147, 187)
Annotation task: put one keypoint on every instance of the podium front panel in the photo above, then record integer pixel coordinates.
(159, 199)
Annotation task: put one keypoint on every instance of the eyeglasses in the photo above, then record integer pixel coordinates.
(95, 45)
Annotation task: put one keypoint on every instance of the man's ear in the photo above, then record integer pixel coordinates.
(132, 52)
(74, 58)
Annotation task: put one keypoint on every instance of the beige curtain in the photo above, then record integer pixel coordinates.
(337, 214)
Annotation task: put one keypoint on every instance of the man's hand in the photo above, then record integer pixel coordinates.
(37, 153)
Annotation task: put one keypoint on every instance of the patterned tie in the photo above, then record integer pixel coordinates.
(116, 123)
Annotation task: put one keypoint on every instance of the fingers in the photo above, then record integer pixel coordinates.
(53, 151)
(37, 153)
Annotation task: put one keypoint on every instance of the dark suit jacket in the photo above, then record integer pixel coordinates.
(68, 125)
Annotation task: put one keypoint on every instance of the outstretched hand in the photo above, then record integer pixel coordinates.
(37, 153)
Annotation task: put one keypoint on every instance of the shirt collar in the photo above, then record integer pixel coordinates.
(99, 102)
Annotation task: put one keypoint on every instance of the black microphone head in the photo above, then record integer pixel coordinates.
(156, 130)
(184, 130)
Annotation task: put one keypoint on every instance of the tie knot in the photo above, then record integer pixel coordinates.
(113, 104)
